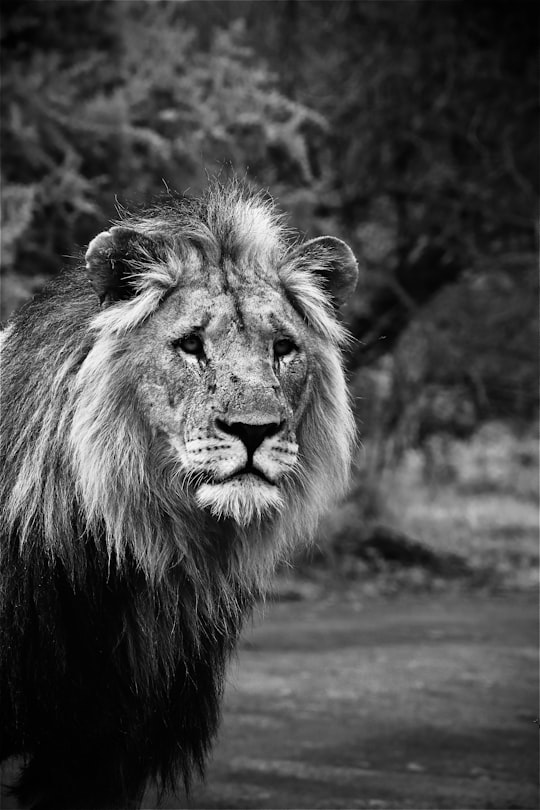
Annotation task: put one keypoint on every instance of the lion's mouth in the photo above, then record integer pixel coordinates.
(246, 475)
(250, 470)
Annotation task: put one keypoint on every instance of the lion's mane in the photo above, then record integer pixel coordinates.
(117, 589)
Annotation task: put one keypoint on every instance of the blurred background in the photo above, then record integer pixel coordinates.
(409, 129)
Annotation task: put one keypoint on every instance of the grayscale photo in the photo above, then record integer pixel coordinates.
(269, 405)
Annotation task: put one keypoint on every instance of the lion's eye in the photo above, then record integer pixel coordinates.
(191, 344)
(283, 346)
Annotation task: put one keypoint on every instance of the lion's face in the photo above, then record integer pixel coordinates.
(223, 375)
(226, 338)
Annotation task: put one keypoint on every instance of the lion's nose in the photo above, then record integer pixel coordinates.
(251, 435)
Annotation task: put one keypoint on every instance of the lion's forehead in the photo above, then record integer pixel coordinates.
(255, 310)
(255, 274)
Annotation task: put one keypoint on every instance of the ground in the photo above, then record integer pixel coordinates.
(425, 701)
(417, 702)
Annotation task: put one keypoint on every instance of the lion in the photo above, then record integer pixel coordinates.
(176, 421)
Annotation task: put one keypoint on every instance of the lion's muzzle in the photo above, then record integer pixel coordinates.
(250, 434)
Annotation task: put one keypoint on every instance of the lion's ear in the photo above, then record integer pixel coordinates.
(109, 262)
(334, 262)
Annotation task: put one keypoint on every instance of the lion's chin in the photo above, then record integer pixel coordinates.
(245, 499)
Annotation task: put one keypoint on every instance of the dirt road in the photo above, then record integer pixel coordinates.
(414, 703)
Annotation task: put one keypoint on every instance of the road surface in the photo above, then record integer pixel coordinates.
(415, 702)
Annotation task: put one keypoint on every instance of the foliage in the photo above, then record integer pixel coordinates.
(427, 95)
(470, 357)
(78, 127)
(464, 514)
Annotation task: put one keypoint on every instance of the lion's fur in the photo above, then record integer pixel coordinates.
(100, 526)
